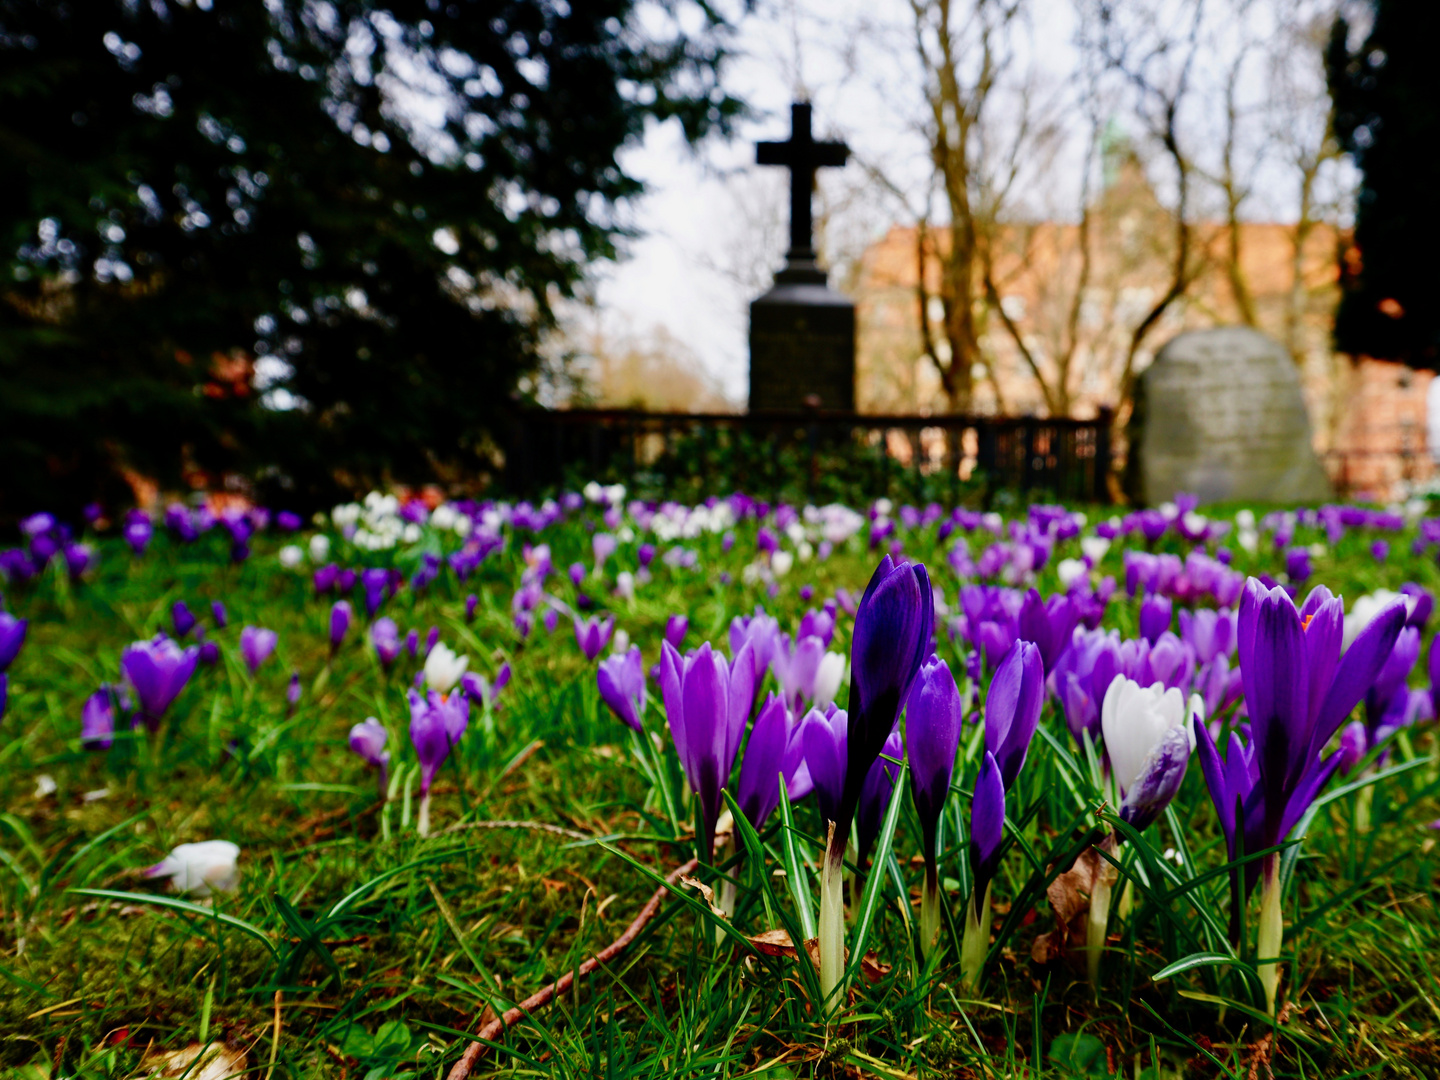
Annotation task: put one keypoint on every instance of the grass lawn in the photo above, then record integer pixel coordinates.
(353, 946)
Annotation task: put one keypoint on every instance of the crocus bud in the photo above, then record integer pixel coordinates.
(157, 671)
(987, 826)
(199, 869)
(824, 735)
(933, 719)
(771, 753)
(1353, 746)
(256, 645)
(1136, 721)
(470, 603)
(621, 680)
(340, 616)
(431, 639)
(676, 627)
(875, 795)
(443, 668)
(182, 618)
(368, 740)
(828, 677)
(12, 636)
(222, 618)
(1155, 614)
(436, 724)
(293, 691)
(385, 636)
(209, 653)
(592, 635)
(1012, 709)
(97, 720)
(1048, 625)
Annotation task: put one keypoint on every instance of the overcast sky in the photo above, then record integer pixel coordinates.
(712, 218)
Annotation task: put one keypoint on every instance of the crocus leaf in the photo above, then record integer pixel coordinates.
(874, 882)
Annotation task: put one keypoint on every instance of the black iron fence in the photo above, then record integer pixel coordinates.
(811, 455)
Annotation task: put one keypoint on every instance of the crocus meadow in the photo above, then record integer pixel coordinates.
(916, 761)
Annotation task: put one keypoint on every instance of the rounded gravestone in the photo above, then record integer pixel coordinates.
(1220, 414)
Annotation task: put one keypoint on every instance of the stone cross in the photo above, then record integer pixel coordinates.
(802, 155)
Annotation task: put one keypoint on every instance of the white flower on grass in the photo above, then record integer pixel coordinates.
(828, 678)
(444, 517)
(620, 643)
(1094, 548)
(200, 869)
(319, 547)
(1245, 519)
(44, 786)
(781, 562)
(1070, 571)
(291, 556)
(411, 534)
(443, 668)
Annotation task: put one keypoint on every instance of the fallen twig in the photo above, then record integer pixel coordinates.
(558, 830)
(494, 1028)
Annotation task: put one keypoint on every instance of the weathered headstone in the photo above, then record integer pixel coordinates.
(802, 332)
(1220, 413)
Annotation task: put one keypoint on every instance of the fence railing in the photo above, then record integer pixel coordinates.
(811, 454)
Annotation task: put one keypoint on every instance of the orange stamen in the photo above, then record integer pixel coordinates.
(1305, 622)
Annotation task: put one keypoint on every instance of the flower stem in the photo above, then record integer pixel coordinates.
(1272, 930)
(1097, 924)
(976, 942)
(930, 911)
(725, 894)
(422, 826)
(832, 917)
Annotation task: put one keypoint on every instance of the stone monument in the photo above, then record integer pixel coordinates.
(1220, 413)
(802, 332)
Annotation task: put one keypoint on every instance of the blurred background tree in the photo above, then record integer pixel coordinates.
(1387, 116)
(313, 242)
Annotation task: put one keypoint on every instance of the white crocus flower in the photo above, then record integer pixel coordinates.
(1094, 548)
(200, 869)
(319, 547)
(443, 668)
(1364, 610)
(781, 562)
(1070, 571)
(1135, 719)
(828, 678)
(620, 643)
(291, 556)
(625, 585)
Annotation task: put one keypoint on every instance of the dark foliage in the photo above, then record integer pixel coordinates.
(1387, 115)
(372, 205)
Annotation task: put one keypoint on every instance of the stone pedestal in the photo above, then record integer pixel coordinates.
(802, 344)
(1220, 414)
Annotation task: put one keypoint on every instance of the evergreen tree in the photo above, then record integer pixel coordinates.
(313, 241)
(1387, 115)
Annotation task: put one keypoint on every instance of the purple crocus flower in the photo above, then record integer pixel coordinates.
(576, 571)
(762, 633)
(1081, 679)
(933, 719)
(1208, 633)
(222, 617)
(894, 632)
(1419, 603)
(823, 739)
(796, 667)
(368, 740)
(676, 627)
(1380, 550)
(97, 720)
(12, 636)
(772, 753)
(593, 634)
(182, 618)
(209, 653)
(385, 637)
(436, 724)
(603, 545)
(412, 643)
(707, 703)
(1048, 624)
(1297, 565)
(341, 615)
(375, 581)
(820, 624)
(256, 645)
(1012, 709)
(79, 558)
(138, 531)
(157, 670)
(621, 680)
(875, 795)
(1299, 690)
(325, 578)
(471, 602)
(987, 831)
(1155, 615)
(293, 691)
(551, 619)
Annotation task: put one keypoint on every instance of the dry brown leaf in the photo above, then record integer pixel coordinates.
(774, 943)
(705, 891)
(872, 969)
(1069, 896)
(196, 1062)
